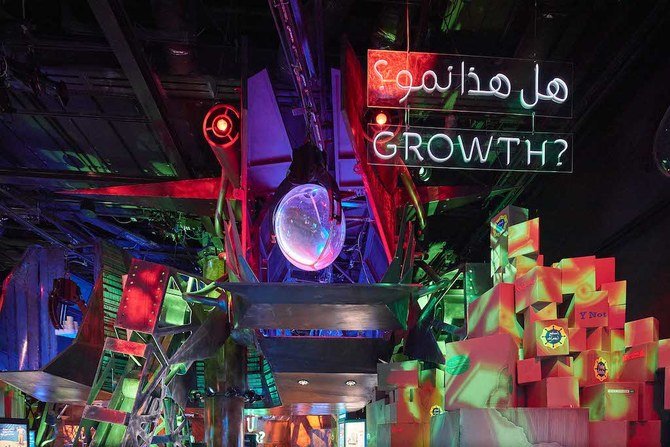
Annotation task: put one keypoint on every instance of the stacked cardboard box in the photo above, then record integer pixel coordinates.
(548, 337)
(577, 350)
(402, 418)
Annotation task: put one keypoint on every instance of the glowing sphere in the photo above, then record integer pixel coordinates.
(381, 118)
(307, 235)
(221, 124)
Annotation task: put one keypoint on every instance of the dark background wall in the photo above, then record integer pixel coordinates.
(617, 203)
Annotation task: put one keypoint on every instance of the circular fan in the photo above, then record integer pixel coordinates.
(221, 126)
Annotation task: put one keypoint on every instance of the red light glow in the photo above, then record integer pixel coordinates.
(381, 118)
(221, 125)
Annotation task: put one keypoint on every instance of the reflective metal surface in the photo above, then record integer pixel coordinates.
(325, 391)
(47, 387)
(324, 355)
(326, 364)
(320, 306)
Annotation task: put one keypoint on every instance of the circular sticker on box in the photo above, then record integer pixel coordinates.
(500, 225)
(600, 369)
(553, 336)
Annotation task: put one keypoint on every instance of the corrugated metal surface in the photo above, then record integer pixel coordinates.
(29, 339)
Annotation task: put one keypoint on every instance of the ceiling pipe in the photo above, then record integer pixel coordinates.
(118, 30)
(288, 20)
(42, 233)
(75, 236)
(119, 232)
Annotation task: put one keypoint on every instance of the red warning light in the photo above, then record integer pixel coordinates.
(221, 126)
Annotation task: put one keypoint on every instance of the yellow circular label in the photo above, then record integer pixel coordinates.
(600, 369)
(553, 336)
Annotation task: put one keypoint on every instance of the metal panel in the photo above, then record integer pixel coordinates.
(324, 355)
(268, 142)
(345, 159)
(142, 297)
(320, 306)
(326, 389)
(318, 293)
(47, 387)
(318, 316)
(126, 347)
(100, 414)
(26, 334)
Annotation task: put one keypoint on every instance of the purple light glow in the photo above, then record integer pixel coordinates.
(307, 235)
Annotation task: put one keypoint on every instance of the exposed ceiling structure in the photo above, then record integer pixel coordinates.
(112, 94)
(97, 93)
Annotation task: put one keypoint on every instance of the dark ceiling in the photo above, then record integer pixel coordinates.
(87, 105)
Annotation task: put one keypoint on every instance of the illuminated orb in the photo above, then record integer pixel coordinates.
(306, 234)
(221, 124)
(381, 118)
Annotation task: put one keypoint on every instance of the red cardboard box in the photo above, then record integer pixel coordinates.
(616, 363)
(539, 312)
(641, 331)
(617, 317)
(604, 271)
(598, 338)
(608, 433)
(578, 274)
(415, 404)
(540, 284)
(592, 367)
(524, 238)
(644, 434)
(612, 401)
(647, 407)
(588, 309)
(553, 392)
(577, 336)
(493, 313)
(431, 378)
(508, 274)
(523, 264)
(403, 435)
(510, 215)
(481, 372)
(617, 341)
(546, 338)
(664, 353)
(557, 367)
(639, 363)
(528, 370)
(499, 257)
(616, 292)
(397, 374)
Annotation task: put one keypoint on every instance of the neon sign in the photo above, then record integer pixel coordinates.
(443, 82)
(471, 149)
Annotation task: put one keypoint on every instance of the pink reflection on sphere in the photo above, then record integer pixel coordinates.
(306, 234)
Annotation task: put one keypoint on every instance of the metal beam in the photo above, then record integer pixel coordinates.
(293, 36)
(73, 234)
(72, 115)
(119, 232)
(42, 233)
(68, 179)
(118, 30)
